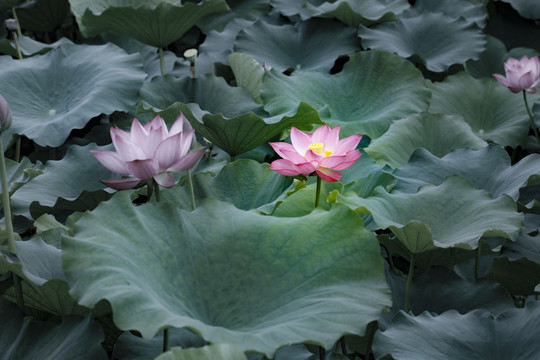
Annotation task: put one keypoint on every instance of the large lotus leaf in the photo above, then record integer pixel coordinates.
(244, 183)
(494, 113)
(529, 9)
(477, 335)
(212, 270)
(8, 4)
(374, 89)
(74, 338)
(352, 13)
(438, 289)
(491, 61)
(210, 92)
(240, 9)
(153, 22)
(309, 45)
(28, 46)
(451, 214)
(489, 169)
(20, 173)
(210, 352)
(245, 132)
(472, 12)
(52, 94)
(131, 347)
(437, 39)
(425, 130)
(42, 15)
(248, 74)
(72, 183)
(302, 201)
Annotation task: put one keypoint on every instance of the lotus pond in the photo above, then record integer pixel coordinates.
(270, 179)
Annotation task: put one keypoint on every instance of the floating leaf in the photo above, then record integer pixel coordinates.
(52, 94)
(448, 215)
(472, 12)
(210, 352)
(489, 169)
(75, 338)
(493, 112)
(477, 335)
(438, 40)
(153, 22)
(213, 269)
(352, 13)
(374, 89)
(308, 45)
(425, 130)
(240, 9)
(248, 74)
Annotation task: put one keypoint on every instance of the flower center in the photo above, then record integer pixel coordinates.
(318, 148)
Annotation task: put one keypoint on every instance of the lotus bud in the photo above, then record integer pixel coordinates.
(5, 114)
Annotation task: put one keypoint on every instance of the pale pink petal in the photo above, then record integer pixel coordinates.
(116, 132)
(347, 144)
(168, 151)
(138, 133)
(502, 80)
(526, 80)
(284, 167)
(300, 141)
(180, 125)
(165, 180)
(188, 161)
(320, 135)
(292, 155)
(535, 66)
(332, 139)
(307, 168)
(122, 184)
(328, 174)
(341, 162)
(111, 161)
(280, 146)
(143, 169)
(151, 143)
(157, 125)
(187, 140)
(128, 150)
(313, 156)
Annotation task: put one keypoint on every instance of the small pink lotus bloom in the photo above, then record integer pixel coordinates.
(321, 152)
(521, 74)
(149, 151)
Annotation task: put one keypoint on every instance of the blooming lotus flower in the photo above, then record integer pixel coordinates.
(149, 151)
(521, 74)
(321, 152)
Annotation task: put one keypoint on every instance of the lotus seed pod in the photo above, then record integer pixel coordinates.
(191, 55)
(11, 24)
(5, 114)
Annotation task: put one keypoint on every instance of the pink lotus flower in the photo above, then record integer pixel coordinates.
(521, 74)
(149, 151)
(321, 152)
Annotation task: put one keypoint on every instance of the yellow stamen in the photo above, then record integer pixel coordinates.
(327, 153)
(316, 148)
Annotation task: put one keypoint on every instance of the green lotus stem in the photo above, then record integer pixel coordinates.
(370, 333)
(150, 189)
(19, 32)
(322, 353)
(318, 192)
(9, 223)
(156, 189)
(531, 118)
(161, 61)
(191, 191)
(406, 306)
(18, 149)
(165, 340)
(477, 262)
(343, 345)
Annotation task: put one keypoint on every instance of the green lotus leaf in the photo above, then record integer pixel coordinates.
(308, 45)
(131, 347)
(210, 352)
(74, 338)
(453, 214)
(436, 289)
(72, 183)
(494, 113)
(239, 182)
(352, 13)
(489, 169)
(52, 94)
(438, 40)
(8, 4)
(491, 61)
(240, 9)
(529, 9)
(374, 89)
(213, 269)
(20, 173)
(425, 130)
(472, 12)
(42, 15)
(155, 22)
(28, 46)
(302, 201)
(245, 132)
(248, 74)
(477, 335)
